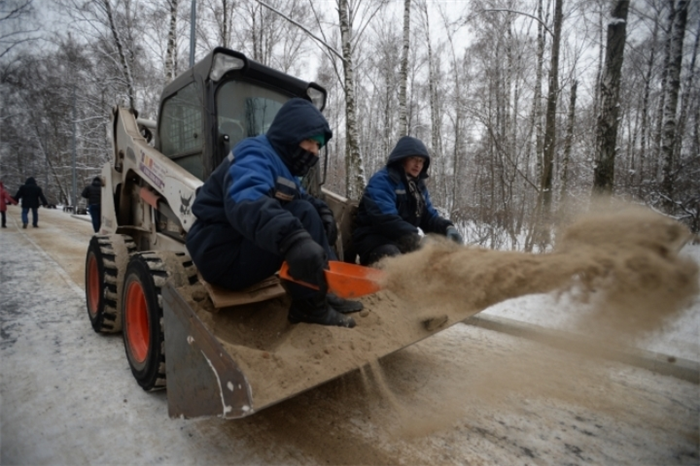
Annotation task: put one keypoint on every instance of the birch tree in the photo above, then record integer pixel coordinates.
(171, 51)
(550, 119)
(606, 136)
(671, 100)
(434, 80)
(403, 73)
(647, 78)
(111, 26)
(354, 171)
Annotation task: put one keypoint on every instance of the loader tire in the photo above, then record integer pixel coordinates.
(142, 311)
(105, 263)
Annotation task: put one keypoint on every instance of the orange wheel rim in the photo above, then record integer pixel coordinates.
(137, 322)
(93, 284)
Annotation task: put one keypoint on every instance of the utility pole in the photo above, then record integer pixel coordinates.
(74, 192)
(193, 39)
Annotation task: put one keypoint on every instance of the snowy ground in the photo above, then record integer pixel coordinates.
(68, 396)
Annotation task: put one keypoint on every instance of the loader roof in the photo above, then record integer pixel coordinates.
(251, 69)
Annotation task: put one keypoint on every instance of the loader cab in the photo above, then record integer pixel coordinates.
(220, 101)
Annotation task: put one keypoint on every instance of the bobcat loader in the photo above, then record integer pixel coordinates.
(217, 352)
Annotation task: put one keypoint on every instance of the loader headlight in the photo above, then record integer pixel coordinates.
(224, 63)
(317, 96)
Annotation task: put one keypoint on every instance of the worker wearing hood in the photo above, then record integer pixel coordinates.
(253, 214)
(32, 197)
(396, 203)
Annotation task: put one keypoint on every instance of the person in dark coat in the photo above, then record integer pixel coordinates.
(4, 199)
(253, 214)
(395, 204)
(93, 193)
(31, 195)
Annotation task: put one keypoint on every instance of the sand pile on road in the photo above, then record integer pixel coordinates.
(626, 262)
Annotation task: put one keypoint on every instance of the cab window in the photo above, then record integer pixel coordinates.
(245, 109)
(180, 129)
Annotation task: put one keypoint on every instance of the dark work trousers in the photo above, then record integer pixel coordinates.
(35, 215)
(372, 247)
(4, 218)
(252, 264)
(95, 215)
(384, 250)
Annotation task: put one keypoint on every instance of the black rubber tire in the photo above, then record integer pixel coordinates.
(104, 270)
(142, 311)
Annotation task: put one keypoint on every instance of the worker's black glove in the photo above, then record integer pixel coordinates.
(307, 261)
(329, 225)
(454, 235)
(409, 243)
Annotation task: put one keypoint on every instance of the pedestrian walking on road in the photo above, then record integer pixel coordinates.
(31, 194)
(4, 199)
(93, 193)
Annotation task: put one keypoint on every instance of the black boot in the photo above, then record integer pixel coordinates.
(316, 310)
(345, 306)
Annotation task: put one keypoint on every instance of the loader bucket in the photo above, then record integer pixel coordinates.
(235, 361)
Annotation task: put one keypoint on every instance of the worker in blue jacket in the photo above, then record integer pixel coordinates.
(396, 203)
(252, 214)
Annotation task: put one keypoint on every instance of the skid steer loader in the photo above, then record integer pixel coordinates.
(217, 353)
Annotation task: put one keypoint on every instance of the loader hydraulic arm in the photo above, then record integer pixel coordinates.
(161, 183)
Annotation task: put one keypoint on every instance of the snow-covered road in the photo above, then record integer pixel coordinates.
(465, 396)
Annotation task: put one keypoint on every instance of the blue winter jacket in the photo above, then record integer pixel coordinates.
(388, 209)
(243, 197)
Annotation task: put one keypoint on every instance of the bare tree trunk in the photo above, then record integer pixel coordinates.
(568, 142)
(606, 133)
(645, 103)
(171, 53)
(403, 74)
(256, 32)
(224, 25)
(509, 110)
(123, 59)
(458, 137)
(536, 125)
(671, 101)
(550, 129)
(660, 111)
(432, 92)
(687, 96)
(354, 172)
(601, 56)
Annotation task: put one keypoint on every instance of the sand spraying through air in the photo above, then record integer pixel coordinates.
(622, 266)
(627, 259)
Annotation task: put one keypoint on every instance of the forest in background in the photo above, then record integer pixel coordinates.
(529, 107)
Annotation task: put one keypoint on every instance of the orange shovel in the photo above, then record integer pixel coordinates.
(344, 279)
